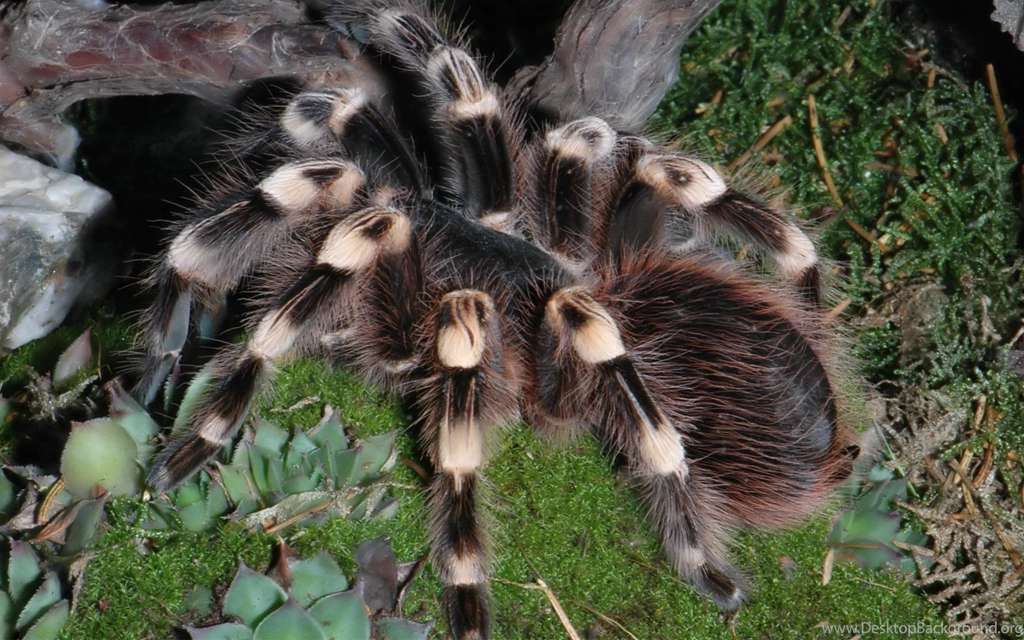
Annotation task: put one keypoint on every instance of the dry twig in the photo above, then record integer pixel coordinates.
(819, 150)
(997, 102)
(765, 138)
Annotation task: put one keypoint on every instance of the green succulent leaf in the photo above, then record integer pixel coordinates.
(315, 578)
(400, 629)
(289, 622)
(275, 477)
(51, 623)
(301, 443)
(244, 508)
(199, 600)
(8, 495)
(865, 532)
(236, 482)
(386, 509)
(302, 484)
(270, 437)
(81, 531)
(47, 595)
(195, 391)
(252, 596)
(343, 616)
(267, 471)
(23, 572)
(196, 517)
(374, 455)
(74, 359)
(132, 417)
(100, 454)
(343, 466)
(329, 432)
(229, 631)
(6, 615)
(217, 504)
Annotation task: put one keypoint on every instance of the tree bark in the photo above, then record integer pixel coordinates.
(612, 58)
(54, 53)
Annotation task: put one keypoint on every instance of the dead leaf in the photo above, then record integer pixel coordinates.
(378, 573)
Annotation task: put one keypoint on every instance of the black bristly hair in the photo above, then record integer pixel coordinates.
(494, 279)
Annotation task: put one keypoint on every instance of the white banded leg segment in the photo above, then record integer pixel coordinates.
(167, 321)
(317, 120)
(700, 193)
(470, 118)
(232, 380)
(592, 334)
(693, 537)
(275, 335)
(770, 231)
(687, 182)
(465, 318)
(219, 250)
(459, 553)
(235, 375)
(661, 182)
(566, 186)
(578, 319)
(475, 158)
(355, 243)
(465, 325)
(406, 35)
(298, 187)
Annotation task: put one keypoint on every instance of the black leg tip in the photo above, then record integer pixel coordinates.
(725, 590)
(468, 611)
(179, 461)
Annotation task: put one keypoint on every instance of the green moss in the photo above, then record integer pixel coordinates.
(111, 340)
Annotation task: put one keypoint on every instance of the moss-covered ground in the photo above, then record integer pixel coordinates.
(919, 168)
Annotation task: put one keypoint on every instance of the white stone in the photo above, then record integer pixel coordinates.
(49, 259)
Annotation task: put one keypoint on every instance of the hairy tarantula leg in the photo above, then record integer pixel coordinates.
(467, 111)
(576, 320)
(691, 537)
(315, 119)
(351, 248)
(636, 425)
(706, 202)
(215, 252)
(467, 397)
(570, 157)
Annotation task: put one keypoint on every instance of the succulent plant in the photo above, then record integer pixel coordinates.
(275, 477)
(31, 604)
(304, 599)
(864, 532)
(67, 392)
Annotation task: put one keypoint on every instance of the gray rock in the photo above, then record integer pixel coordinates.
(54, 252)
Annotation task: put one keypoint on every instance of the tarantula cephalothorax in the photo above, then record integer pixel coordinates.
(503, 272)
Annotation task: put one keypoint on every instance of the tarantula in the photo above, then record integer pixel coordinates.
(503, 269)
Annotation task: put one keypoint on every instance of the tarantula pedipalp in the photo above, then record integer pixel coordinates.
(554, 275)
